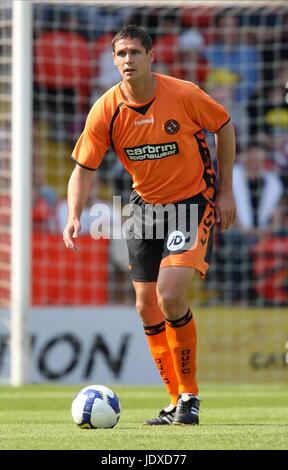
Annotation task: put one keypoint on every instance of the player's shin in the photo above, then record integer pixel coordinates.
(157, 341)
(182, 339)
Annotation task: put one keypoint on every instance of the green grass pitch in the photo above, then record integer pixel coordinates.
(232, 417)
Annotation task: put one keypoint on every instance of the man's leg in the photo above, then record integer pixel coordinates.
(172, 287)
(155, 330)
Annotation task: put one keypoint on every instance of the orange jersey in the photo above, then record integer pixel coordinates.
(160, 142)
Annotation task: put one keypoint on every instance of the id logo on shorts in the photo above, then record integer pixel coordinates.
(176, 241)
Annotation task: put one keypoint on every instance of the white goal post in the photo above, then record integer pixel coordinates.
(21, 190)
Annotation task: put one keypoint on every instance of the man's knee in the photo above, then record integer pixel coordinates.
(170, 302)
(142, 305)
(149, 310)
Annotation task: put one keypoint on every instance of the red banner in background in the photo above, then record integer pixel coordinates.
(62, 277)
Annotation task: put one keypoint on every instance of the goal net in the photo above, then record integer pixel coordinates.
(5, 148)
(236, 52)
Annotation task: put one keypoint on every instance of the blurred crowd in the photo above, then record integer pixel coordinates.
(240, 57)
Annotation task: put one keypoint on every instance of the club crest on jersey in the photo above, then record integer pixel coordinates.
(171, 126)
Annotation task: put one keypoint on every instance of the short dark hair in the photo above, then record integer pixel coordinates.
(133, 32)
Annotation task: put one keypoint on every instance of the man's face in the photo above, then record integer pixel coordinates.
(132, 60)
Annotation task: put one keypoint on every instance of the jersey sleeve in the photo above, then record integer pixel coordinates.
(94, 141)
(209, 114)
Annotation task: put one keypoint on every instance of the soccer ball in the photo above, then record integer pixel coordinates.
(96, 407)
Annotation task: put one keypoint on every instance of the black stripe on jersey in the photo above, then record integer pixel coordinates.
(221, 127)
(208, 173)
(112, 123)
(82, 166)
(142, 109)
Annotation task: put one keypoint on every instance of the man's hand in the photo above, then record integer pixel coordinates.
(70, 232)
(225, 210)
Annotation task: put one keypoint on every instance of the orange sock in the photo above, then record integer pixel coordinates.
(156, 337)
(182, 339)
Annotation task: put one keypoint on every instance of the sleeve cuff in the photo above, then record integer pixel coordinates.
(223, 125)
(82, 166)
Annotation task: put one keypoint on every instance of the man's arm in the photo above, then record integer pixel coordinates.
(78, 191)
(225, 203)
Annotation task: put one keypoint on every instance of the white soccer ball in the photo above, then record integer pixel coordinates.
(96, 407)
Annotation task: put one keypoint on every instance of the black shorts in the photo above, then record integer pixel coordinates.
(186, 241)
